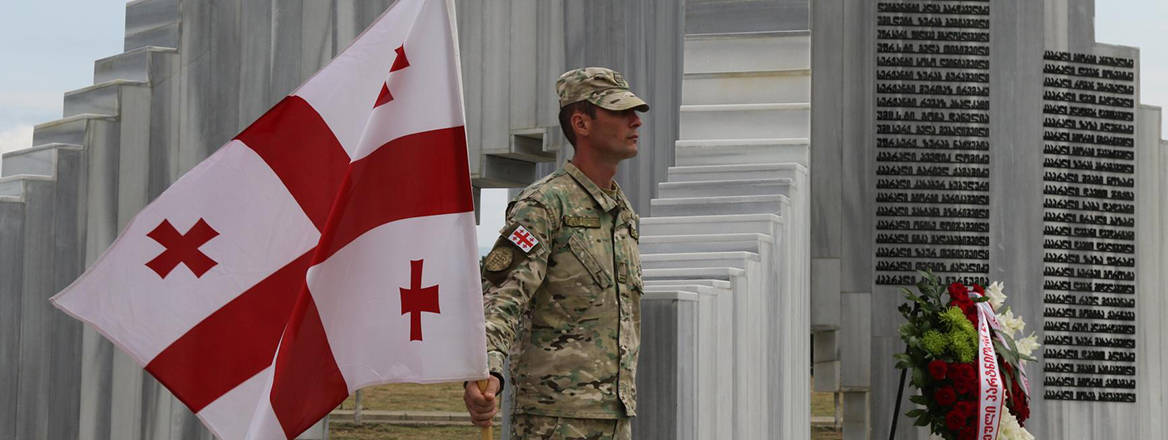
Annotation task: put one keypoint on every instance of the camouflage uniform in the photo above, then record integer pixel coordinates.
(562, 294)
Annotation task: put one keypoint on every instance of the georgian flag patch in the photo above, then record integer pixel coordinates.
(524, 239)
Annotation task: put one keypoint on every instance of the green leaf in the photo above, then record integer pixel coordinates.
(916, 413)
(918, 399)
(923, 421)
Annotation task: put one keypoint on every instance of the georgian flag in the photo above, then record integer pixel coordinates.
(328, 247)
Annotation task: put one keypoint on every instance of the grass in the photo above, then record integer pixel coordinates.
(448, 397)
(394, 432)
(409, 396)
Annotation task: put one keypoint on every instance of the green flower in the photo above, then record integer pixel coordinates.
(934, 343)
(954, 318)
(963, 345)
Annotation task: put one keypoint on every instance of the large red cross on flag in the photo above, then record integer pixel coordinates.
(299, 278)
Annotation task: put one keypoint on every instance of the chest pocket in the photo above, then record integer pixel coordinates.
(581, 250)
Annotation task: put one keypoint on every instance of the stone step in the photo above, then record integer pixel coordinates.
(687, 206)
(714, 188)
(747, 242)
(742, 151)
(14, 187)
(718, 285)
(735, 121)
(152, 23)
(505, 172)
(754, 87)
(698, 259)
(102, 99)
(745, 52)
(669, 295)
(699, 173)
(133, 65)
(687, 286)
(715, 273)
(711, 224)
(68, 130)
(530, 145)
(40, 160)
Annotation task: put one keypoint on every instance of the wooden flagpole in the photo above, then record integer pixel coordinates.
(488, 433)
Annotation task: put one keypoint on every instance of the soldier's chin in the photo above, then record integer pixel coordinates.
(631, 152)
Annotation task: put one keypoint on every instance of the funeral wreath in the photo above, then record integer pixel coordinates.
(964, 360)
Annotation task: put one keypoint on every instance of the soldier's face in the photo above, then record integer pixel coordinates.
(614, 133)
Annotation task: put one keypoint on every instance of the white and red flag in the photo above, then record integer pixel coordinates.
(328, 247)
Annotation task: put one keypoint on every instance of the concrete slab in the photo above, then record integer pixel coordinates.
(697, 173)
(752, 87)
(40, 160)
(715, 188)
(689, 206)
(705, 243)
(727, 121)
(742, 151)
(747, 52)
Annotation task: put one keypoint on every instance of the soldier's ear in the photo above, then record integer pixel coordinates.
(581, 123)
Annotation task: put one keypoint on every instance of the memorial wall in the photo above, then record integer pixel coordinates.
(987, 140)
(1089, 277)
(932, 141)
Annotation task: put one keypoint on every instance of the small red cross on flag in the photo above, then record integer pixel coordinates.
(522, 238)
(182, 248)
(417, 299)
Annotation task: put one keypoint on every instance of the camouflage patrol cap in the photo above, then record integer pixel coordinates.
(601, 86)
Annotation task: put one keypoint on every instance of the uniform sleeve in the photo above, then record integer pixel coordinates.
(511, 276)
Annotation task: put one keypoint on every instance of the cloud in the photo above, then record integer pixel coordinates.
(35, 101)
(15, 138)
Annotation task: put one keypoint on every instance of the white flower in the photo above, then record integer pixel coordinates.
(1014, 325)
(994, 292)
(1009, 429)
(1027, 345)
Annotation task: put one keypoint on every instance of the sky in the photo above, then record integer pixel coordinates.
(50, 46)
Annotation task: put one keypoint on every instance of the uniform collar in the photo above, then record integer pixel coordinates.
(604, 200)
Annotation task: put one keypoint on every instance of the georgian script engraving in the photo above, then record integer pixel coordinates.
(932, 140)
(1089, 227)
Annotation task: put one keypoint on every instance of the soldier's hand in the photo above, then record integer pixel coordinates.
(482, 406)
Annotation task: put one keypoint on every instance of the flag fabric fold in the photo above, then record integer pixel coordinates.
(328, 247)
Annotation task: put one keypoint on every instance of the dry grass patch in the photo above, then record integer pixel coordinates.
(395, 432)
(409, 396)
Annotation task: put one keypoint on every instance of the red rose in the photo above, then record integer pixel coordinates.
(945, 397)
(977, 288)
(962, 387)
(968, 433)
(964, 372)
(965, 407)
(958, 292)
(937, 369)
(954, 421)
(972, 317)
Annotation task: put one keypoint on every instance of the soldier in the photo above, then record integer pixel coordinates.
(562, 286)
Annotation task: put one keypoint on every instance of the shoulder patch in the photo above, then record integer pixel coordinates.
(522, 238)
(498, 259)
(582, 221)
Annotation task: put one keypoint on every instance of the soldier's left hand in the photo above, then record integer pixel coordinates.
(482, 405)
